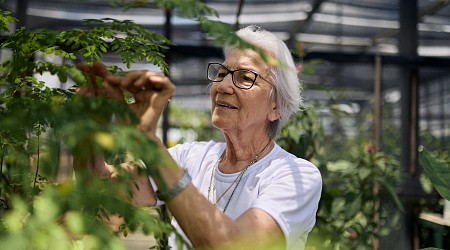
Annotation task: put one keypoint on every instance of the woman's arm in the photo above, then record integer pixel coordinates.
(208, 227)
(205, 225)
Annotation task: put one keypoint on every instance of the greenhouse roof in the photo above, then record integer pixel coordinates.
(346, 32)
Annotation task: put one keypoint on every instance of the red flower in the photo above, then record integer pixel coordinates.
(353, 234)
(298, 67)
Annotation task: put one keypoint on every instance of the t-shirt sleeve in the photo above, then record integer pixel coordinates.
(179, 152)
(290, 194)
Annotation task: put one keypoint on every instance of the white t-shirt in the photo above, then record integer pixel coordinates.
(286, 187)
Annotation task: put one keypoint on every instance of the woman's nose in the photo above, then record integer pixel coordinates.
(226, 85)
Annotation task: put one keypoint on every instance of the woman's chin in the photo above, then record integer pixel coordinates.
(220, 123)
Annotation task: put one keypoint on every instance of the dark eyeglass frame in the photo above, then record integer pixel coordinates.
(232, 75)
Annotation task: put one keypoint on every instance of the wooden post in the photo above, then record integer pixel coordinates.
(377, 129)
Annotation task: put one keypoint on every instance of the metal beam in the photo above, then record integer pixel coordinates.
(238, 13)
(409, 83)
(165, 115)
(428, 10)
(21, 13)
(304, 23)
(408, 43)
(344, 57)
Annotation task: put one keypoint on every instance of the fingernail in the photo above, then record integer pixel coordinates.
(156, 78)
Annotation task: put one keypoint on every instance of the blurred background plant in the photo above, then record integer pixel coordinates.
(42, 206)
(348, 216)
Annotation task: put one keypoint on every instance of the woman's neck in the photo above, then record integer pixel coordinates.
(240, 153)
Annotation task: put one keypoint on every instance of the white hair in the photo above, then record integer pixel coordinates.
(283, 75)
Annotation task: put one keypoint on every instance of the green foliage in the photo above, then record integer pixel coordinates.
(134, 42)
(391, 141)
(348, 205)
(5, 20)
(302, 134)
(54, 214)
(345, 219)
(437, 168)
(66, 215)
(125, 38)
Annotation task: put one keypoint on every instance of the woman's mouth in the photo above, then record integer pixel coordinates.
(224, 104)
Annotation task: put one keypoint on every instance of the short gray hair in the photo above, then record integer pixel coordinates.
(287, 85)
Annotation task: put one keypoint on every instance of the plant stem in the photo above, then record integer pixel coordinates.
(37, 164)
(1, 169)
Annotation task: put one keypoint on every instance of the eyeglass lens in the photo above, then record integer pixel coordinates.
(241, 78)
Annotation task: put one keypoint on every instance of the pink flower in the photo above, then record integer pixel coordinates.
(370, 148)
(353, 234)
(298, 67)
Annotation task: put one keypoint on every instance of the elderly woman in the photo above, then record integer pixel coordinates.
(244, 192)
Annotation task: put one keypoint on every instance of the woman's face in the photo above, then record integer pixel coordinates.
(243, 110)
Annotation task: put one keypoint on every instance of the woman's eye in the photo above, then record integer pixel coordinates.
(246, 77)
(221, 74)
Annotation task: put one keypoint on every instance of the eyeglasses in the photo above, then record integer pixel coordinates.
(242, 78)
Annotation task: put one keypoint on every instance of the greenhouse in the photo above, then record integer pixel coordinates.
(121, 129)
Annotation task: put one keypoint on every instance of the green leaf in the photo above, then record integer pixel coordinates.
(62, 75)
(338, 205)
(391, 190)
(364, 172)
(438, 171)
(355, 207)
(77, 76)
(426, 184)
(74, 222)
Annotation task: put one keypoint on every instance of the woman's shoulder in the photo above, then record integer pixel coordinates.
(281, 156)
(192, 155)
(196, 148)
(284, 161)
(197, 145)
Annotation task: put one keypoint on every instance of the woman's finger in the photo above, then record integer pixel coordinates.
(128, 81)
(100, 69)
(111, 91)
(148, 80)
(84, 67)
(114, 80)
(87, 69)
(135, 81)
(85, 91)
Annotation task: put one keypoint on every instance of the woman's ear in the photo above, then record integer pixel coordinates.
(274, 114)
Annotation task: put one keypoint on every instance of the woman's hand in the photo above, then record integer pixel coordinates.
(151, 91)
(99, 71)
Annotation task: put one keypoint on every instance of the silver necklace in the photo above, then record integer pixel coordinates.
(212, 185)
